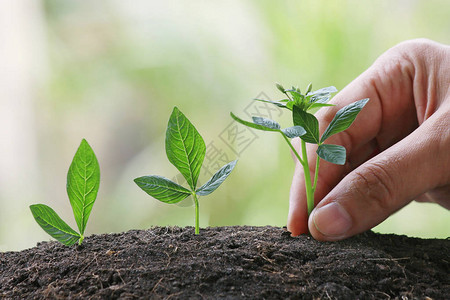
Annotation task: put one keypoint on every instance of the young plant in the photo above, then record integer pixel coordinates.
(83, 181)
(306, 127)
(185, 149)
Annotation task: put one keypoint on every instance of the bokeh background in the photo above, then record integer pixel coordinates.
(112, 71)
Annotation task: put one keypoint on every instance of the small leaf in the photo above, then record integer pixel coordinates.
(252, 125)
(185, 148)
(332, 153)
(217, 179)
(83, 181)
(343, 118)
(313, 108)
(320, 98)
(309, 122)
(290, 105)
(279, 104)
(309, 88)
(296, 96)
(162, 189)
(49, 220)
(294, 131)
(266, 122)
(325, 90)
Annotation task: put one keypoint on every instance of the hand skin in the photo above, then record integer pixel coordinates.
(398, 148)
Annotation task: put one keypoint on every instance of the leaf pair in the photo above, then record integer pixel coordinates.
(83, 181)
(185, 149)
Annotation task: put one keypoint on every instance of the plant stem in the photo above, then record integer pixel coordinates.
(80, 240)
(292, 148)
(308, 185)
(316, 175)
(310, 189)
(197, 228)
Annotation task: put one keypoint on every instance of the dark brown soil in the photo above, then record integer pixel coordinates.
(229, 263)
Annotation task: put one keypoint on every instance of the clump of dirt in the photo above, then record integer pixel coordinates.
(229, 263)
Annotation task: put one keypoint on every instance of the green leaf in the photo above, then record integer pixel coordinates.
(290, 105)
(163, 189)
(185, 147)
(279, 104)
(294, 131)
(252, 125)
(309, 122)
(297, 97)
(83, 181)
(325, 90)
(343, 118)
(313, 108)
(308, 88)
(266, 123)
(320, 98)
(332, 153)
(217, 179)
(49, 220)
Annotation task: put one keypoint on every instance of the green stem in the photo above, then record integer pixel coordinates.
(316, 175)
(304, 162)
(308, 185)
(81, 239)
(292, 148)
(197, 227)
(287, 95)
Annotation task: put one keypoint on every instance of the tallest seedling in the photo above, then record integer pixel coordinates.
(306, 127)
(186, 150)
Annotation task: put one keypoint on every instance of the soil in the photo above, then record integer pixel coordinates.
(229, 263)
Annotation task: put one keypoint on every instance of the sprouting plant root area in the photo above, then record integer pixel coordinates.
(229, 263)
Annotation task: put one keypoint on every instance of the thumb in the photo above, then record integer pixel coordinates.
(386, 183)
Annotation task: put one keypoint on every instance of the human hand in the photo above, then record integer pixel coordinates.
(398, 147)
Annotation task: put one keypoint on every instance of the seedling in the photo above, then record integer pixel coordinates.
(306, 126)
(83, 180)
(185, 149)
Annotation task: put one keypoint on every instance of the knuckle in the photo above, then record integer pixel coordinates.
(375, 183)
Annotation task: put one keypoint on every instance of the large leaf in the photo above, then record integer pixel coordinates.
(217, 179)
(83, 181)
(309, 122)
(252, 125)
(49, 220)
(185, 147)
(332, 153)
(294, 131)
(343, 118)
(266, 123)
(163, 189)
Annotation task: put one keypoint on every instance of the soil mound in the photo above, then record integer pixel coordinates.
(237, 262)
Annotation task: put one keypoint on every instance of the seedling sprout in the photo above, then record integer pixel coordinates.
(306, 127)
(185, 149)
(83, 181)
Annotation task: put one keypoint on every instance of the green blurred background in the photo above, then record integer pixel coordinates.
(111, 72)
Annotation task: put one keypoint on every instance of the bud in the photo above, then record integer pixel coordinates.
(280, 87)
(309, 88)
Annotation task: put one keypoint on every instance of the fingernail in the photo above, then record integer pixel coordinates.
(332, 220)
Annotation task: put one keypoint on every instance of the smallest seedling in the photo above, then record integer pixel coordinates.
(185, 149)
(83, 181)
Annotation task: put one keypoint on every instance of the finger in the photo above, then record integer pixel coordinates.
(384, 184)
(359, 141)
